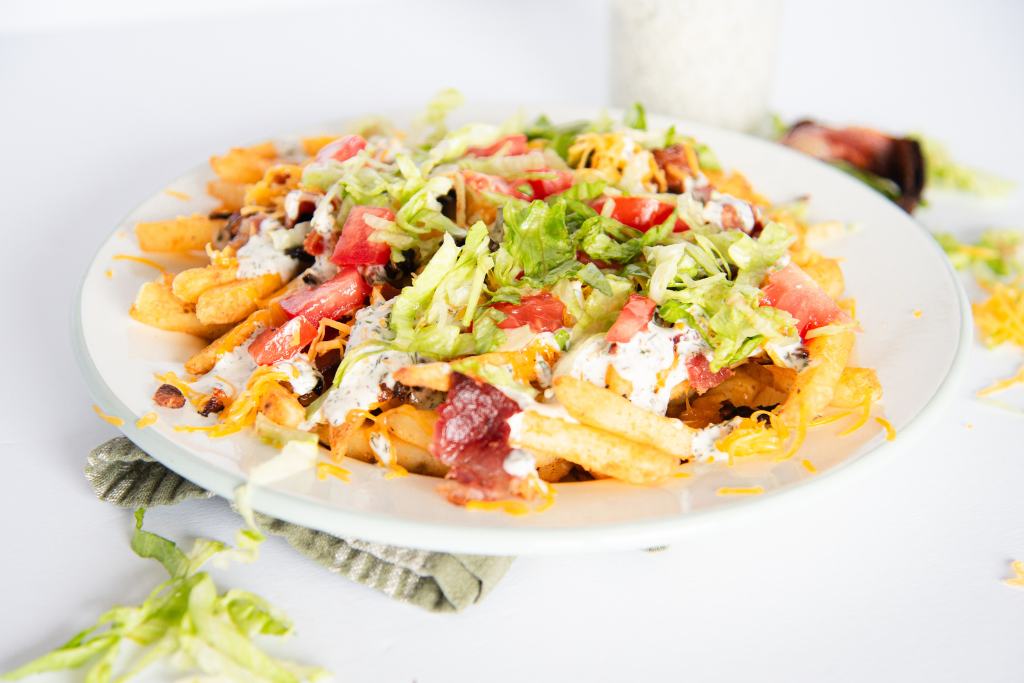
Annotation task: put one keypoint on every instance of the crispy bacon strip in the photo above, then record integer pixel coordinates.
(898, 159)
(471, 437)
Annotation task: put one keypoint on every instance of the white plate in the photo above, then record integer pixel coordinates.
(893, 267)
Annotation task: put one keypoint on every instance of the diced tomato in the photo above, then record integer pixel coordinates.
(642, 213)
(345, 147)
(542, 312)
(482, 182)
(279, 343)
(510, 145)
(699, 371)
(633, 317)
(341, 295)
(553, 183)
(792, 290)
(355, 248)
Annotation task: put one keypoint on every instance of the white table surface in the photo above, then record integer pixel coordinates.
(892, 577)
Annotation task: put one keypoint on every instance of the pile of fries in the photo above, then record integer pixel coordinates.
(352, 279)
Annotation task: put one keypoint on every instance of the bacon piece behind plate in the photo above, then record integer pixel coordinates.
(471, 437)
(701, 377)
(898, 159)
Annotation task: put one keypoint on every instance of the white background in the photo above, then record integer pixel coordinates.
(892, 577)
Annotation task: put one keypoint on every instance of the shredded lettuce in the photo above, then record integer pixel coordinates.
(635, 117)
(560, 138)
(605, 239)
(710, 281)
(432, 315)
(942, 171)
(996, 254)
(599, 310)
(537, 239)
(185, 620)
(436, 112)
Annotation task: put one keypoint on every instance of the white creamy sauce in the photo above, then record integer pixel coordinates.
(381, 447)
(653, 362)
(293, 202)
(703, 443)
(231, 371)
(360, 386)
(520, 464)
(712, 212)
(324, 217)
(260, 257)
(792, 355)
(301, 374)
(322, 269)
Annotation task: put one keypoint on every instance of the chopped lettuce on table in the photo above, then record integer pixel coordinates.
(185, 620)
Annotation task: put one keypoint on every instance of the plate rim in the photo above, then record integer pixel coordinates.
(446, 537)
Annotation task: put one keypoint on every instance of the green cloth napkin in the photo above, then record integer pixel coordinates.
(122, 473)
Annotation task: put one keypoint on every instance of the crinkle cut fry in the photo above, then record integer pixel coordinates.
(815, 386)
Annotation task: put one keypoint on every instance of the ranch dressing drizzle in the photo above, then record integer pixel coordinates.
(653, 362)
(360, 385)
(259, 256)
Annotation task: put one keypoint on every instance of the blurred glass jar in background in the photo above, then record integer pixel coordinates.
(710, 61)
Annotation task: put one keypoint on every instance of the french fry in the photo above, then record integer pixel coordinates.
(156, 305)
(594, 449)
(315, 143)
(855, 386)
(189, 284)
(827, 273)
(184, 233)
(233, 301)
(244, 164)
(437, 376)
(204, 360)
(280, 405)
(413, 458)
(411, 424)
(604, 409)
(231, 195)
(815, 385)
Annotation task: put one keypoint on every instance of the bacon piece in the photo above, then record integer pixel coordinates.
(314, 244)
(471, 437)
(169, 396)
(701, 377)
(672, 161)
(898, 159)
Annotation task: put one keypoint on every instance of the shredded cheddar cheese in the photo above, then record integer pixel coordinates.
(319, 346)
(1003, 384)
(1017, 580)
(145, 421)
(865, 413)
(608, 156)
(140, 259)
(918, 313)
(516, 508)
(740, 491)
(177, 195)
(809, 466)
(1000, 318)
(109, 273)
(326, 469)
(241, 412)
(890, 431)
(112, 419)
